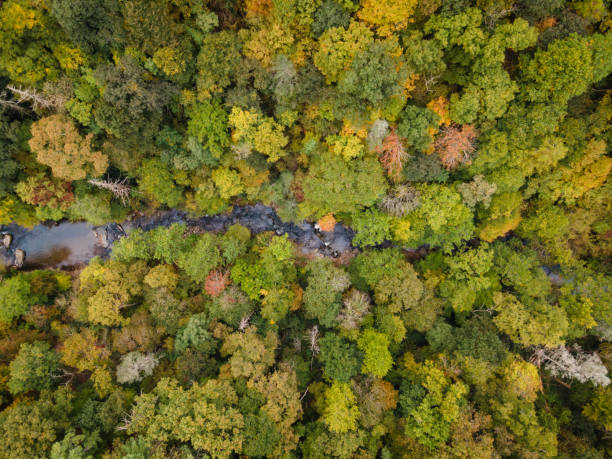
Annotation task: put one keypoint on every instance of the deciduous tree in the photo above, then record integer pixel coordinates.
(341, 413)
(58, 144)
(33, 368)
(377, 359)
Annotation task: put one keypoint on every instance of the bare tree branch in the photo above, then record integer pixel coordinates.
(120, 189)
(5, 101)
(32, 96)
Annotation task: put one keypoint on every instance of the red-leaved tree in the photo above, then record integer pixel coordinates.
(392, 154)
(456, 145)
(216, 282)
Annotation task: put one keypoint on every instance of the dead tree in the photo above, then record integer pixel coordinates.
(8, 102)
(120, 189)
(313, 340)
(35, 98)
(572, 363)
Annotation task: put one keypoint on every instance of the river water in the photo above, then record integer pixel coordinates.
(70, 244)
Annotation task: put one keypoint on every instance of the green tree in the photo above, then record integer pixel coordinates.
(539, 324)
(598, 408)
(132, 102)
(156, 183)
(33, 368)
(208, 123)
(468, 277)
(196, 335)
(562, 71)
(273, 257)
(282, 405)
(372, 227)
(15, 297)
(234, 242)
(415, 125)
(430, 401)
(198, 260)
(323, 292)
(231, 306)
(329, 14)
(149, 27)
(260, 435)
(377, 359)
(376, 74)
(340, 358)
(400, 291)
(320, 441)
(219, 61)
(30, 428)
(205, 416)
(338, 47)
(369, 267)
(71, 447)
(334, 185)
(442, 219)
(341, 413)
(93, 26)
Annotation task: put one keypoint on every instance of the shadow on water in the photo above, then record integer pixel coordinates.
(55, 256)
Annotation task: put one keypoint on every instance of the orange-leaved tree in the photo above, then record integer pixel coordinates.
(392, 154)
(456, 145)
(59, 145)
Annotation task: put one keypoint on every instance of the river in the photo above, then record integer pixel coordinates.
(68, 244)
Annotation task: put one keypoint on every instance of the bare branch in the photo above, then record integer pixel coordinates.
(5, 101)
(494, 15)
(430, 81)
(32, 96)
(120, 189)
(572, 363)
(313, 340)
(244, 322)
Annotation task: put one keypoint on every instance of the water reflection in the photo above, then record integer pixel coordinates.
(55, 256)
(58, 246)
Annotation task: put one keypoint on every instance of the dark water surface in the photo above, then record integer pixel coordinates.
(68, 244)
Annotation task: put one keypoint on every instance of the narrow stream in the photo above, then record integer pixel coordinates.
(69, 244)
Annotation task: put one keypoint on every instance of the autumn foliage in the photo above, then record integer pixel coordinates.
(392, 155)
(425, 192)
(327, 223)
(216, 282)
(455, 146)
(58, 144)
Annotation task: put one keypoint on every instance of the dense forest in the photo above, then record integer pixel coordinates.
(465, 142)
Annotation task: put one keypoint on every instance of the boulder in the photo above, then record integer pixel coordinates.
(7, 239)
(19, 258)
(102, 237)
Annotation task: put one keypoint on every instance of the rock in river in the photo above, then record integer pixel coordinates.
(7, 239)
(19, 258)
